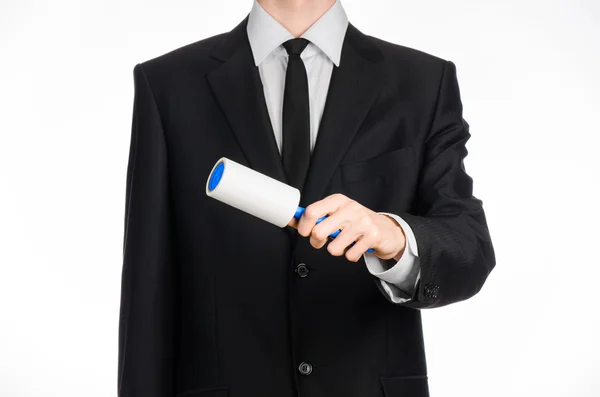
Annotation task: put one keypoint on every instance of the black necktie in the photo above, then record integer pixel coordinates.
(296, 116)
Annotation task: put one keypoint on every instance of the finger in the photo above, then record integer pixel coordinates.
(368, 238)
(348, 235)
(354, 253)
(340, 219)
(318, 209)
(317, 243)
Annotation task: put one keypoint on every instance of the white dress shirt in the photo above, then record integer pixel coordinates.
(326, 37)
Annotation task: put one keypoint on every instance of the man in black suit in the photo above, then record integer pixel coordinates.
(216, 302)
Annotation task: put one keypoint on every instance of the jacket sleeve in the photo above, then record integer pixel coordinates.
(146, 346)
(455, 249)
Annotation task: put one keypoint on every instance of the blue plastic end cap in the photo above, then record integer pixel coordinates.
(216, 176)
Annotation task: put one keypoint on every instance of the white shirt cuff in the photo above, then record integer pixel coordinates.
(398, 281)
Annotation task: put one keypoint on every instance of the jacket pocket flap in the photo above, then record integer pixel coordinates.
(385, 164)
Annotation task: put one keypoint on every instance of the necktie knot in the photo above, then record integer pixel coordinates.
(295, 46)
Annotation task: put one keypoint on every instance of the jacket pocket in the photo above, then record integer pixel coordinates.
(386, 164)
(405, 386)
(383, 183)
(211, 392)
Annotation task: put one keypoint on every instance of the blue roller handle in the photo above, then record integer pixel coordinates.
(299, 213)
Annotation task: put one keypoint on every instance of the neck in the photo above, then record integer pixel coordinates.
(296, 15)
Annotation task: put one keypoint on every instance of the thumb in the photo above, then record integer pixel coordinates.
(293, 223)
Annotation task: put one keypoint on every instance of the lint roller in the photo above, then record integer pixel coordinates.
(255, 193)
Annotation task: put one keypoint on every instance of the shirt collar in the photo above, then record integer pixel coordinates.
(265, 34)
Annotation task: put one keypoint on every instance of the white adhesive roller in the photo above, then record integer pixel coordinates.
(256, 194)
(252, 192)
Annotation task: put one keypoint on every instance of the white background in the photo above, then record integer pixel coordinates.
(529, 75)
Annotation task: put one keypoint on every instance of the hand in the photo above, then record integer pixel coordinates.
(357, 223)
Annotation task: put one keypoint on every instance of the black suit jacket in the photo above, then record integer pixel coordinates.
(211, 303)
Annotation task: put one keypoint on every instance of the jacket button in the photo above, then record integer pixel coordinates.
(302, 270)
(305, 368)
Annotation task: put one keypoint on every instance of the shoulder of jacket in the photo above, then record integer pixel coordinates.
(406, 55)
(196, 53)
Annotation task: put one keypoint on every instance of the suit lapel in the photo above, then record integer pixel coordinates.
(352, 91)
(238, 89)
